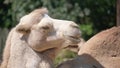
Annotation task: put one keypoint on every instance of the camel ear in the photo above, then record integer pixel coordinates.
(23, 29)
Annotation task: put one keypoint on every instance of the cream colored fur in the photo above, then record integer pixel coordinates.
(36, 40)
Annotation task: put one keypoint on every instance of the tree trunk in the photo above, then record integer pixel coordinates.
(118, 12)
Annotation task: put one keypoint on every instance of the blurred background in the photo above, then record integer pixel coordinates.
(92, 16)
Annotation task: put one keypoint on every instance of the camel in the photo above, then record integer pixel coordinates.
(101, 51)
(36, 40)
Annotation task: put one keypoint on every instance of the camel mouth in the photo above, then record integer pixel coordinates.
(75, 39)
(71, 40)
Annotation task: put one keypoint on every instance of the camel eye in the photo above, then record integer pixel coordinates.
(45, 27)
(21, 30)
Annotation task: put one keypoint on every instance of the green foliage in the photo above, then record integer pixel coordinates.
(64, 55)
(87, 30)
(93, 16)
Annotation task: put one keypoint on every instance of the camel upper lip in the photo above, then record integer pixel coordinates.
(74, 37)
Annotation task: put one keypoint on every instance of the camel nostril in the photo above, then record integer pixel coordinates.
(74, 25)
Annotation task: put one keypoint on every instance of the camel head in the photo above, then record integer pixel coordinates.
(46, 26)
(68, 30)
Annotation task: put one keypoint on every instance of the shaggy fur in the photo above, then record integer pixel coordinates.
(34, 42)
